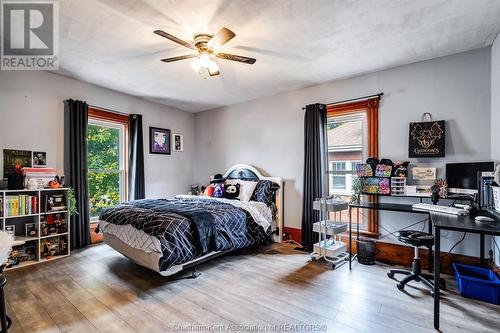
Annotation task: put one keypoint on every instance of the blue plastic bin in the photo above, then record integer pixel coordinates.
(478, 283)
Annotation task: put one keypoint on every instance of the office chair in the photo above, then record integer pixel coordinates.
(416, 239)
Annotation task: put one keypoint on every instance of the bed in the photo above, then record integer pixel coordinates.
(172, 235)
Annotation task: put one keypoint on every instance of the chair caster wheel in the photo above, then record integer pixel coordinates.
(400, 286)
(390, 275)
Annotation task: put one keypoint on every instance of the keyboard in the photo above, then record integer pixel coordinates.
(440, 209)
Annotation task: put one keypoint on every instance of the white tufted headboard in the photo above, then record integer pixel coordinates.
(248, 172)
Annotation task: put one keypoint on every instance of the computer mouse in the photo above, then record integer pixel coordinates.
(484, 219)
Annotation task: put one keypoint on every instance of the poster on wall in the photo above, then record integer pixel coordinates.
(39, 159)
(178, 142)
(427, 139)
(159, 141)
(13, 159)
(424, 174)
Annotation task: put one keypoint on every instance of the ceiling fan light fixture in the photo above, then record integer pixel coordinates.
(213, 68)
(204, 60)
(207, 47)
(196, 64)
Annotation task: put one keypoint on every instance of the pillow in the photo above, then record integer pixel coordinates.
(264, 192)
(246, 188)
(231, 191)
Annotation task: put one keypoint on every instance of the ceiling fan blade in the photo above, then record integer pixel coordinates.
(222, 37)
(187, 56)
(235, 57)
(175, 39)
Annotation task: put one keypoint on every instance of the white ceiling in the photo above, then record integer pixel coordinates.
(297, 43)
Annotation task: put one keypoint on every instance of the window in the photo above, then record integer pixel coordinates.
(341, 176)
(352, 138)
(107, 175)
(338, 179)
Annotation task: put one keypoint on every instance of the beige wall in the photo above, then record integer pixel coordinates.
(268, 132)
(31, 118)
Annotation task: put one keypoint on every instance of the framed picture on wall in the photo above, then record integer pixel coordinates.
(13, 159)
(178, 142)
(39, 159)
(159, 141)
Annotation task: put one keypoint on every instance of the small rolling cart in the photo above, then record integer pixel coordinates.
(328, 246)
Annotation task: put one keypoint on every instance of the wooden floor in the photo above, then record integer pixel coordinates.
(97, 289)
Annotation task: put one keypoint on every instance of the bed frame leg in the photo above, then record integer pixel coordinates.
(194, 274)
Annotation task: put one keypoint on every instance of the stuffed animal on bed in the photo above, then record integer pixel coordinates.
(218, 190)
(217, 183)
(231, 191)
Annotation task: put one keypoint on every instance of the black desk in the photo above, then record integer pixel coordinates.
(392, 207)
(463, 224)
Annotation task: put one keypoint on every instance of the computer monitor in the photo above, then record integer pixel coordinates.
(463, 177)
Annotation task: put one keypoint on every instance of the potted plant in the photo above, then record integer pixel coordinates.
(71, 202)
(357, 188)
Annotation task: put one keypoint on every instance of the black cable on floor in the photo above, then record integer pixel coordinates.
(460, 241)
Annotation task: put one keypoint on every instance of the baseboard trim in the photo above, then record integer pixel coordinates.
(295, 234)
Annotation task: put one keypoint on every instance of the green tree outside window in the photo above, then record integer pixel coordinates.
(104, 167)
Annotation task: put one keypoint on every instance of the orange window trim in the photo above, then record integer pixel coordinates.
(98, 114)
(114, 117)
(370, 108)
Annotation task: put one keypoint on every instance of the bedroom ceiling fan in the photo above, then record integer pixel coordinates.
(207, 50)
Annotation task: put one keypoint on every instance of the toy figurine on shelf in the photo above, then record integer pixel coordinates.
(55, 183)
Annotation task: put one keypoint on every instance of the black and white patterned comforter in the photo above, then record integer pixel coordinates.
(149, 225)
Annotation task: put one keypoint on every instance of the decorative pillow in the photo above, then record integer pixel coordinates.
(264, 191)
(246, 188)
(231, 191)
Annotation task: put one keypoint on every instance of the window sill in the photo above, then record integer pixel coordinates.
(363, 233)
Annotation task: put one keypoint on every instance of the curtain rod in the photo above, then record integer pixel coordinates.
(354, 99)
(109, 110)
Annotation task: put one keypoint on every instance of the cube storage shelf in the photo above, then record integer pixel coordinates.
(20, 221)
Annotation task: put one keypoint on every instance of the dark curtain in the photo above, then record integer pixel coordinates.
(136, 163)
(75, 166)
(315, 169)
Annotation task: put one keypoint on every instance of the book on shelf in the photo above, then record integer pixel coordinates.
(1, 206)
(20, 204)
